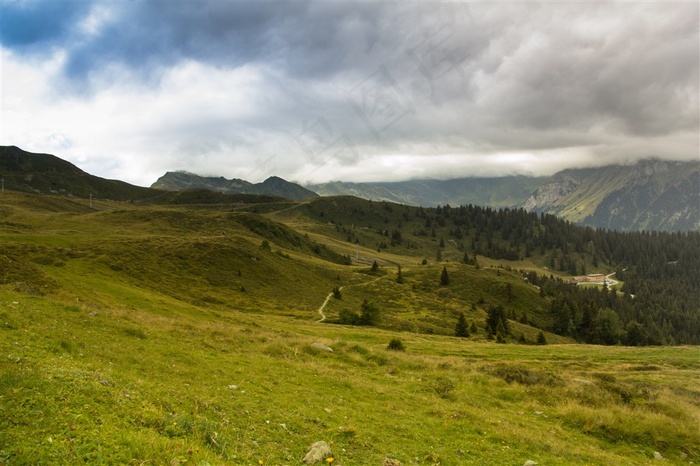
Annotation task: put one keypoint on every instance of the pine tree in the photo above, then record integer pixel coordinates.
(375, 266)
(541, 339)
(500, 332)
(473, 328)
(461, 329)
(444, 278)
(399, 276)
(369, 313)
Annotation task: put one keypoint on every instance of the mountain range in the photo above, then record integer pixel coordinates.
(182, 180)
(650, 195)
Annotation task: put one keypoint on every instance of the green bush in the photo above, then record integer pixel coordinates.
(444, 387)
(396, 345)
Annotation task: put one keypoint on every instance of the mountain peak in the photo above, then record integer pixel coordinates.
(274, 185)
(652, 194)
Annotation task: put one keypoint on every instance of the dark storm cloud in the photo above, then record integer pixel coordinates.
(343, 84)
(306, 40)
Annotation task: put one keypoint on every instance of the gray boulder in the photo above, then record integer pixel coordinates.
(319, 451)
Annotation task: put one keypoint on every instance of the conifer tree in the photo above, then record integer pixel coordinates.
(473, 328)
(444, 277)
(399, 276)
(461, 329)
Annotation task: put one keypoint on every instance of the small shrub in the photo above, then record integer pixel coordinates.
(523, 375)
(541, 339)
(396, 345)
(67, 346)
(348, 317)
(378, 359)
(444, 387)
(135, 332)
(359, 349)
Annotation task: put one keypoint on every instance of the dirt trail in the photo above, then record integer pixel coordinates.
(320, 309)
(330, 295)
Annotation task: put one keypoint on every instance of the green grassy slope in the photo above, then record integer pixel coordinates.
(147, 379)
(133, 334)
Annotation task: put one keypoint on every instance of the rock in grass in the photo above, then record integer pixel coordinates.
(391, 462)
(530, 463)
(657, 456)
(318, 452)
(322, 347)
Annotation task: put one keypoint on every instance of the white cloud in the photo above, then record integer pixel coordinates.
(360, 92)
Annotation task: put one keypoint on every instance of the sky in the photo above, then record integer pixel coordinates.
(351, 91)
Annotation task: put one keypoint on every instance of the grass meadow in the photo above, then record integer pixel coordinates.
(170, 336)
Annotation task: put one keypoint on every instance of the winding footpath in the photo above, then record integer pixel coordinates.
(320, 309)
(330, 295)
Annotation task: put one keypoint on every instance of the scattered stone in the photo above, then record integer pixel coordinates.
(318, 452)
(391, 462)
(583, 381)
(530, 463)
(322, 347)
(233, 387)
(657, 456)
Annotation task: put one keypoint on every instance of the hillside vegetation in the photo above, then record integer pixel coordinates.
(197, 334)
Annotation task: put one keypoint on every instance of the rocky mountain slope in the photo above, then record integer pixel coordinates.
(651, 195)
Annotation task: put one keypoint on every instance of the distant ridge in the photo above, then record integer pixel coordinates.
(508, 191)
(273, 186)
(47, 174)
(29, 172)
(650, 195)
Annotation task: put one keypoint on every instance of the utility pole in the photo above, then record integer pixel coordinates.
(91, 200)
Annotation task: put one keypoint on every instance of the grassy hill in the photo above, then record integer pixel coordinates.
(184, 334)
